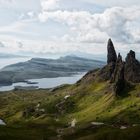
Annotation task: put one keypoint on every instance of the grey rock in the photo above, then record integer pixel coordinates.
(111, 55)
(119, 72)
(132, 68)
(118, 76)
(107, 71)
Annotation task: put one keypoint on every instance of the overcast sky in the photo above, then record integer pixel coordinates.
(69, 26)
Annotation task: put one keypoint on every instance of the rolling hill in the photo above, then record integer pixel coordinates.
(37, 68)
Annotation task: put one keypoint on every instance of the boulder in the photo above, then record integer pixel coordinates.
(29, 111)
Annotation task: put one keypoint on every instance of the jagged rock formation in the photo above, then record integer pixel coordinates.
(118, 76)
(118, 66)
(119, 72)
(108, 70)
(132, 68)
(111, 56)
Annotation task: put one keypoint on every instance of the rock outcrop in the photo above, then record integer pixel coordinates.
(107, 71)
(111, 55)
(132, 68)
(119, 72)
(118, 76)
(118, 66)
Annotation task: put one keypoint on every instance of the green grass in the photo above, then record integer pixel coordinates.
(105, 133)
(89, 102)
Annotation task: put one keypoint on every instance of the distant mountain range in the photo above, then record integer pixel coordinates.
(47, 68)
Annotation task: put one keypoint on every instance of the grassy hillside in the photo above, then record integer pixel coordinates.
(47, 114)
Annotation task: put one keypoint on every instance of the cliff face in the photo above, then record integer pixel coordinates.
(118, 76)
(132, 68)
(119, 72)
(111, 56)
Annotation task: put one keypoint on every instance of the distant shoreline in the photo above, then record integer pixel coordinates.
(43, 83)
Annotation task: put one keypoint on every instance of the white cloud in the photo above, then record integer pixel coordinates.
(31, 14)
(74, 31)
(49, 4)
(14, 27)
(116, 22)
(17, 45)
(2, 45)
(111, 3)
(51, 48)
(18, 27)
(6, 1)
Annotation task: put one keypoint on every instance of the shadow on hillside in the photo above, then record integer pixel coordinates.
(128, 88)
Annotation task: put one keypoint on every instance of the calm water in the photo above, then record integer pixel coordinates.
(46, 82)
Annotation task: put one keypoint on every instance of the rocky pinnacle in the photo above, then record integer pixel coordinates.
(120, 73)
(111, 56)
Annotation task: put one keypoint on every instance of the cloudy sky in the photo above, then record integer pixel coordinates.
(68, 26)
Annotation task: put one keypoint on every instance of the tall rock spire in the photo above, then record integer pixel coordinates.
(118, 72)
(111, 56)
